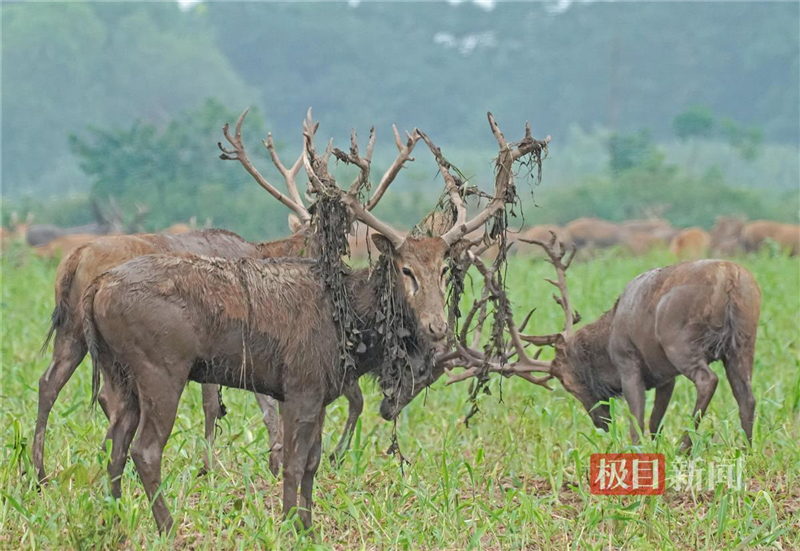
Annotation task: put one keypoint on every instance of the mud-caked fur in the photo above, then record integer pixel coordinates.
(668, 321)
(157, 322)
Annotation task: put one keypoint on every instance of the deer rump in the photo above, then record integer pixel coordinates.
(259, 325)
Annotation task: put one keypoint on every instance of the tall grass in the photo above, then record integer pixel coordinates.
(515, 478)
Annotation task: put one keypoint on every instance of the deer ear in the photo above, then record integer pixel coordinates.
(383, 244)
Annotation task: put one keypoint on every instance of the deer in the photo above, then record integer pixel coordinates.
(78, 269)
(111, 222)
(785, 236)
(157, 322)
(667, 322)
(690, 243)
(725, 235)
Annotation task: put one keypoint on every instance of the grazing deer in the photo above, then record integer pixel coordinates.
(785, 236)
(691, 243)
(725, 235)
(594, 232)
(667, 322)
(78, 269)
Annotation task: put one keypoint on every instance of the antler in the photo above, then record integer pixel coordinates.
(363, 163)
(238, 153)
(404, 154)
(476, 361)
(560, 257)
(142, 211)
(289, 174)
(323, 183)
(452, 185)
(504, 178)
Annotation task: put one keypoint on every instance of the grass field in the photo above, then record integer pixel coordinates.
(517, 477)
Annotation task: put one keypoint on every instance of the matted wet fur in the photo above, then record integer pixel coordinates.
(78, 269)
(267, 326)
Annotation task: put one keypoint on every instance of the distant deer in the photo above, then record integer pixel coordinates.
(112, 223)
(785, 236)
(157, 322)
(690, 243)
(77, 270)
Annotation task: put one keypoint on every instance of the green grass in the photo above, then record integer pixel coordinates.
(515, 478)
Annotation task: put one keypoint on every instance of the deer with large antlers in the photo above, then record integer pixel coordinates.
(266, 326)
(77, 270)
(669, 321)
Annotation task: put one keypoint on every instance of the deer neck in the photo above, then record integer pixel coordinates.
(588, 353)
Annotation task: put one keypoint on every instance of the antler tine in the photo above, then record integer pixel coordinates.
(404, 155)
(289, 174)
(450, 180)
(238, 153)
(323, 182)
(560, 257)
(354, 158)
(504, 178)
(310, 158)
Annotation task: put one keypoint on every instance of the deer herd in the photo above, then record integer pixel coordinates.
(155, 311)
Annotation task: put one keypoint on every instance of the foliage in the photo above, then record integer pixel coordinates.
(69, 65)
(516, 478)
(746, 140)
(698, 122)
(695, 122)
(630, 151)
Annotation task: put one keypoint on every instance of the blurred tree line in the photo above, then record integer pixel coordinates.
(131, 82)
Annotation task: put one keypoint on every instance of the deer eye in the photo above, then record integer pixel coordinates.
(407, 271)
(444, 271)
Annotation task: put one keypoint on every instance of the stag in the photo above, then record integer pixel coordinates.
(78, 269)
(269, 326)
(668, 321)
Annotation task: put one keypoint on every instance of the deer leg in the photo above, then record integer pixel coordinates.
(739, 368)
(312, 464)
(355, 400)
(158, 404)
(300, 418)
(69, 350)
(124, 415)
(269, 408)
(633, 390)
(691, 363)
(211, 410)
(663, 396)
(624, 356)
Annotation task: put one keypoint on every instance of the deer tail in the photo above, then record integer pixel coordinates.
(93, 340)
(61, 312)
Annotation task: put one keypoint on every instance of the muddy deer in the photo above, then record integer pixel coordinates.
(157, 322)
(669, 321)
(77, 270)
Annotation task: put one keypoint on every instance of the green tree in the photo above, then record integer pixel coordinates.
(695, 122)
(627, 151)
